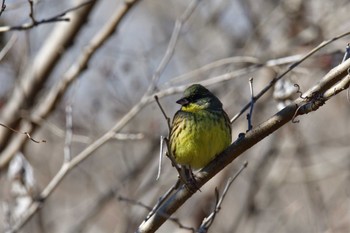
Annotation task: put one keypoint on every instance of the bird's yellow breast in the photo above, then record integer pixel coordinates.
(198, 136)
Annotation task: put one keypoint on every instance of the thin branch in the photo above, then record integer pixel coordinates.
(163, 198)
(31, 13)
(255, 181)
(3, 7)
(164, 114)
(34, 22)
(221, 62)
(230, 181)
(255, 63)
(131, 201)
(25, 133)
(208, 221)
(290, 68)
(347, 53)
(58, 131)
(171, 45)
(339, 87)
(252, 101)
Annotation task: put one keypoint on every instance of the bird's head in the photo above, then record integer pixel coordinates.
(196, 98)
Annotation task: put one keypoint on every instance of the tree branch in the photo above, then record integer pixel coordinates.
(33, 23)
(3, 7)
(241, 145)
(38, 72)
(53, 97)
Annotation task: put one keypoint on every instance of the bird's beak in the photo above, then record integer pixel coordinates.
(183, 101)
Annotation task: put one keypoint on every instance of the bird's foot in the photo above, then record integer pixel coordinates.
(189, 180)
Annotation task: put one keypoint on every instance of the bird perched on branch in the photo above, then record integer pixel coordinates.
(200, 130)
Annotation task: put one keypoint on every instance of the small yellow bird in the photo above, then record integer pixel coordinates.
(200, 130)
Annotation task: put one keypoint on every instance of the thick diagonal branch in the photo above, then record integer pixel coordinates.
(243, 143)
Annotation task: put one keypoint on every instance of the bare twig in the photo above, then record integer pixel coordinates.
(164, 114)
(25, 133)
(316, 200)
(290, 68)
(252, 101)
(34, 22)
(257, 178)
(347, 53)
(255, 63)
(171, 45)
(339, 87)
(31, 13)
(134, 202)
(3, 7)
(163, 198)
(212, 65)
(208, 221)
